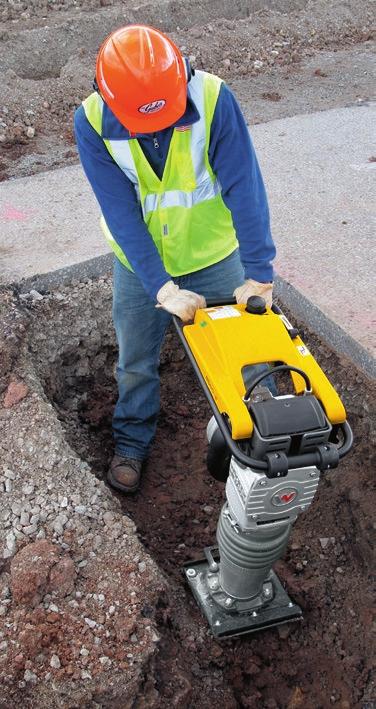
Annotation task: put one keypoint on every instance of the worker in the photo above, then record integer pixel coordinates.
(168, 155)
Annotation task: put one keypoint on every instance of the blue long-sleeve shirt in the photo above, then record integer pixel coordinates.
(233, 160)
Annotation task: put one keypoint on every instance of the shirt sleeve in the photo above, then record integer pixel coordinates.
(233, 160)
(120, 208)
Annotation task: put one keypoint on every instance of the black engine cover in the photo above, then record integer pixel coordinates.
(288, 416)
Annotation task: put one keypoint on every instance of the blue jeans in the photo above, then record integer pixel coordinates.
(140, 328)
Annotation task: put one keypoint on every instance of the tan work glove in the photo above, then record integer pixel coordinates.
(178, 301)
(250, 287)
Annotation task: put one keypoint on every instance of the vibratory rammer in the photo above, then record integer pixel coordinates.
(270, 449)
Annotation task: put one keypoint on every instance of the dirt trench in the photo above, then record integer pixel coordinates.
(325, 660)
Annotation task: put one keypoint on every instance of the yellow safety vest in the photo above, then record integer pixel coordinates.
(184, 211)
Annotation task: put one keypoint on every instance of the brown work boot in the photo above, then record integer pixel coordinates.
(124, 473)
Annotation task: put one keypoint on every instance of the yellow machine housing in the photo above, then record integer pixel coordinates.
(225, 339)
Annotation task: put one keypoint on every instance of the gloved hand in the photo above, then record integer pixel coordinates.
(178, 301)
(250, 287)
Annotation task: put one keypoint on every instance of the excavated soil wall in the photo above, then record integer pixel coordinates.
(325, 660)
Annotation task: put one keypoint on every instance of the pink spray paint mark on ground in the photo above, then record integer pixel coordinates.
(12, 214)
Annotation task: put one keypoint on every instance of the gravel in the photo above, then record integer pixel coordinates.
(66, 544)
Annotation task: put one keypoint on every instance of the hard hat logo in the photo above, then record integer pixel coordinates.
(152, 107)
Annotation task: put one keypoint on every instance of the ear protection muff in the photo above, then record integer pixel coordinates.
(189, 71)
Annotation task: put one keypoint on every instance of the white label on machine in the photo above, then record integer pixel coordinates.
(285, 321)
(225, 311)
(303, 350)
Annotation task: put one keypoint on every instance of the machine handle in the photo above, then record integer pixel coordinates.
(276, 370)
(232, 301)
(220, 301)
(212, 303)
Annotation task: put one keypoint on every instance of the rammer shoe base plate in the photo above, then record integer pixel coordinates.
(226, 624)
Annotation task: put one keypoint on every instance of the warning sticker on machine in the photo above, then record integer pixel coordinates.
(303, 350)
(226, 311)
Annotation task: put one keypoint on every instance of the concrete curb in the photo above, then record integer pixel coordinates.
(301, 306)
(325, 328)
(92, 268)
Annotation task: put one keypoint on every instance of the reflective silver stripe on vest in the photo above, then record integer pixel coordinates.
(198, 131)
(122, 155)
(177, 198)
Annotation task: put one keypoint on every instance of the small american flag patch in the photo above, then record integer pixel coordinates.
(183, 128)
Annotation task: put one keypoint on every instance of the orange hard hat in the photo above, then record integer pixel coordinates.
(142, 77)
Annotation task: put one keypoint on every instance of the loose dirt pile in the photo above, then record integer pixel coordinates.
(48, 59)
(61, 347)
(78, 592)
